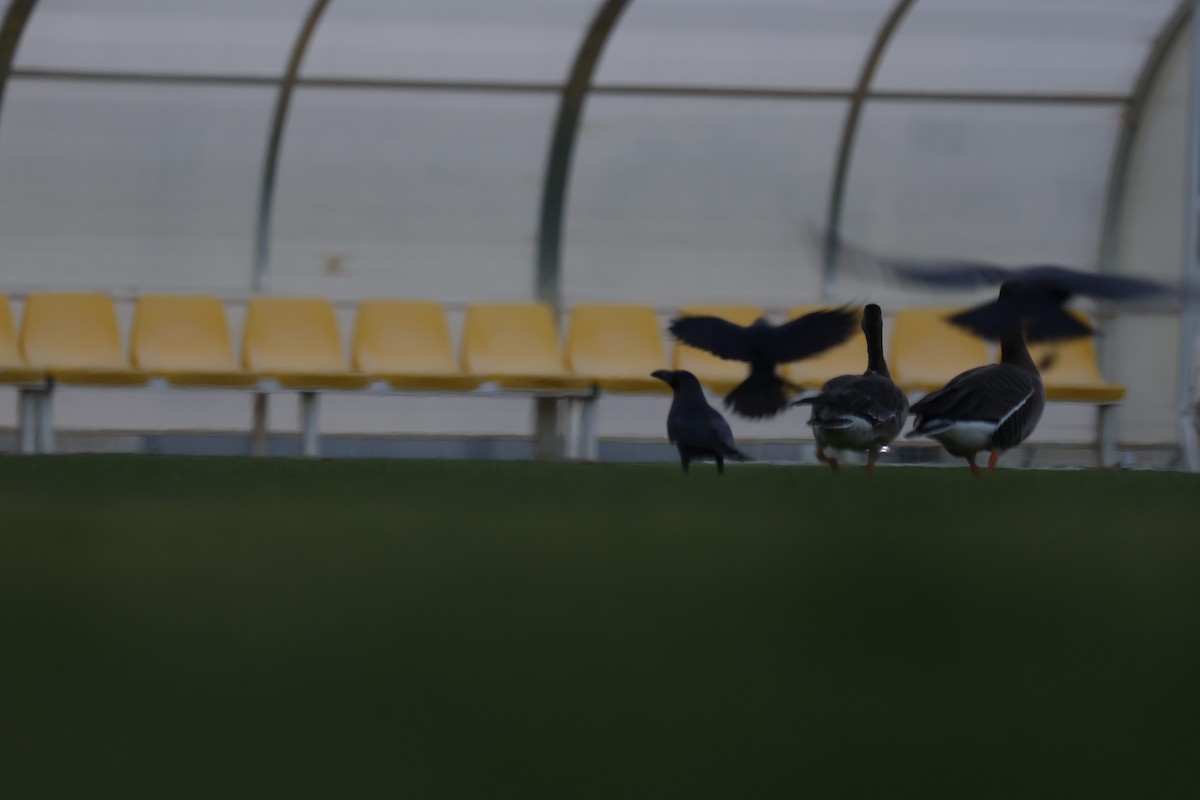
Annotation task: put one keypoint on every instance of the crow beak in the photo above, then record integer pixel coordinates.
(663, 375)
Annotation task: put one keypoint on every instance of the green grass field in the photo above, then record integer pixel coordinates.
(214, 627)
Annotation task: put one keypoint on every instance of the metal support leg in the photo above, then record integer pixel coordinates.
(258, 433)
(27, 414)
(589, 443)
(45, 421)
(1185, 399)
(571, 449)
(1106, 436)
(310, 436)
(546, 428)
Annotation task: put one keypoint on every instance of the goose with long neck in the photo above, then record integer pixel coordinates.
(859, 412)
(992, 408)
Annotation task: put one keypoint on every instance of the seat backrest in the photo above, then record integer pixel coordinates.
(402, 336)
(847, 358)
(10, 354)
(1069, 362)
(71, 330)
(511, 339)
(188, 332)
(927, 351)
(292, 334)
(705, 365)
(614, 341)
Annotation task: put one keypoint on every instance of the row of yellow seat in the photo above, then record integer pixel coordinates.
(185, 340)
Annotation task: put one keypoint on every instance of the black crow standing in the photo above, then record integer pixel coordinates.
(697, 429)
(765, 347)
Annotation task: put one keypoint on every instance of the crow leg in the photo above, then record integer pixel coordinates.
(684, 459)
(720, 464)
(992, 459)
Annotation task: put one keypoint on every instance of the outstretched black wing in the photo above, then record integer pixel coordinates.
(720, 337)
(811, 334)
(1096, 286)
(964, 275)
(950, 275)
(1041, 321)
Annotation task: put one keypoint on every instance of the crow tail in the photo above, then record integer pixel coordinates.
(733, 454)
(761, 396)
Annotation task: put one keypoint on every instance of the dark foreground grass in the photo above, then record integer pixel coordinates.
(237, 628)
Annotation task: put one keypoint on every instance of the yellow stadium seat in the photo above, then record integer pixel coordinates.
(75, 338)
(1072, 371)
(516, 346)
(185, 340)
(617, 347)
(717, 374)
(927, 351)
(296, 342)
(848, 358)
(407, 344)
(13, 368)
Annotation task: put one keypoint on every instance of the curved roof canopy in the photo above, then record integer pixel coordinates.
(546, 137)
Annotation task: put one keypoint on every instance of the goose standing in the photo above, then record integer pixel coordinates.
(859, 412)
(995, 407)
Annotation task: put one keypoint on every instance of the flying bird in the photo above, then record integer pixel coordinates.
(859, 412)
(765, 346)
(991, 408)
(695, 428)
(1041, 285)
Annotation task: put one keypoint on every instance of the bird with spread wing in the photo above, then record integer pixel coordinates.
(1043, 290)
(765, 346)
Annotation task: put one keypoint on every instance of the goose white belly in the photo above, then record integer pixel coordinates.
(848, 433)
(967, 436)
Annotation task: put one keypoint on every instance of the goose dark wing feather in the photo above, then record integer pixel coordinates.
(987, 393)
(1021, 422)
(720, 337)
(871, 397)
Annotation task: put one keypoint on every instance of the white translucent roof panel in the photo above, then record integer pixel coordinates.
(452, 40)
(1023, 46)
(780, 44)
(120, 186)
(686, 200)
(1009, 183)
(227, 37)
(412, 194)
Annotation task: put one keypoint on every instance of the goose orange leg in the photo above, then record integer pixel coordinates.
(872, 455)
(824, 459)
(992, 459)
(973, 465)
